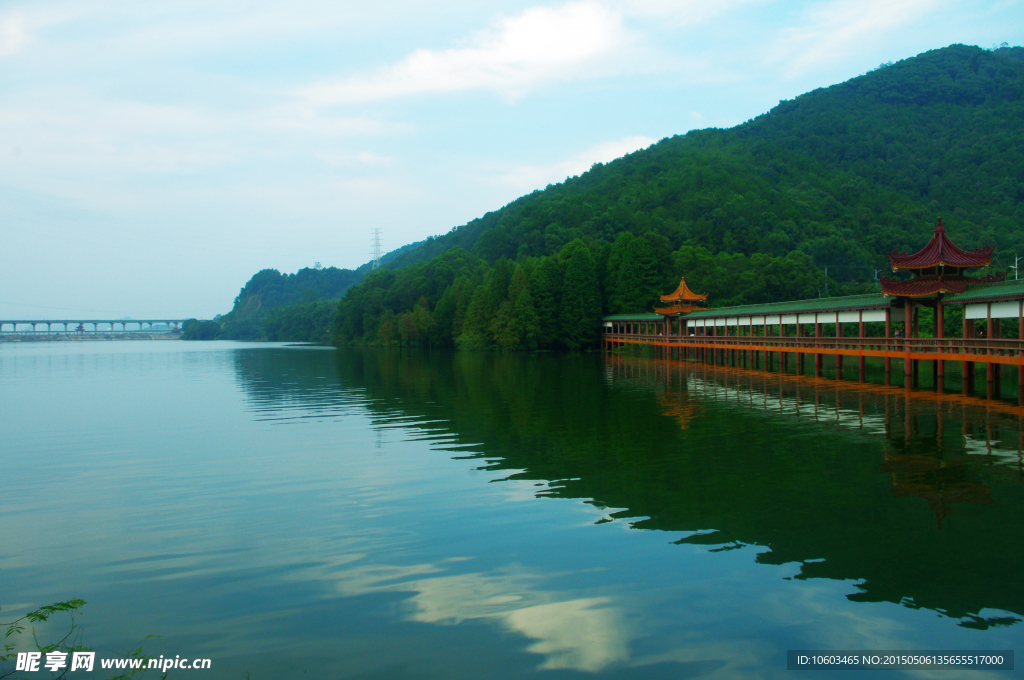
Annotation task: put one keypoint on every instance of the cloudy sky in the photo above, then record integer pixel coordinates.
(153, 156)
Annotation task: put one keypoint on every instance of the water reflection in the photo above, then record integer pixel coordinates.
(959, 456)
(385, 514)
(913, 496)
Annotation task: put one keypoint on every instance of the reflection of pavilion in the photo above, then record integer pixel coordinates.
(884, 325)
(940, 483)
(677, 406)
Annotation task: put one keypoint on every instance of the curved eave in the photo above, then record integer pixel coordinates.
(926, 294)
(944, 263)
(678, 309)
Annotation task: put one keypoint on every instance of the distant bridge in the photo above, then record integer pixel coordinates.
(88, 326)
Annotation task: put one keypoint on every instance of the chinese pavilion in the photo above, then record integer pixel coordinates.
(936, 269)
(682, 301)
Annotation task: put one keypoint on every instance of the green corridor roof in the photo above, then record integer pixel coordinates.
(869, 301)
(831, 304)
(993, 291)
(634, 317)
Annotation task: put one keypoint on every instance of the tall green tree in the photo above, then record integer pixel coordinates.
(516, 327)
(444, 319)
(581, 301)
(546, 291)
(636, 277)
(424, 321)
(388, 329)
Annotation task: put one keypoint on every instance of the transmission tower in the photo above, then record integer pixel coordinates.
(376, 248)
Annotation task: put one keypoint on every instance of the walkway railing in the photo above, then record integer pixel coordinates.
(957, 349)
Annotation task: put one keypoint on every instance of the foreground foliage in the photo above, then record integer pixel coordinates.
(66, 645)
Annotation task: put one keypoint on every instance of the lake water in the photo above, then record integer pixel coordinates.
(297, 512)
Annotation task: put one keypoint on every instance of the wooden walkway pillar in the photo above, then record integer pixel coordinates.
(799, 369)
(1020, 335)
(839, 357)
(968, 366)
(909, 333)
(817, 355)
(992, 373)
(764, 337)
(862, 365)
(888, 335)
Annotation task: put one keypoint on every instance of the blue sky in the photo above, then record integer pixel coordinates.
(153, 156)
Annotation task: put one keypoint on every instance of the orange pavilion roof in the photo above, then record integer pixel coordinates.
(683, 293)
(940, 250)
(678, 309)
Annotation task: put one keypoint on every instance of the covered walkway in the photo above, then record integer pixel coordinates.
(855, 326)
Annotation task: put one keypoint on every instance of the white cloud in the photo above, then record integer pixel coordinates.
(302, 118)
(834, 31)
(359, 158)
(13, 35)
(540, 44)
(529, 177)
(681, 12)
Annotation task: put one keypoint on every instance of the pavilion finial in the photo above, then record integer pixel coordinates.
(939, 228)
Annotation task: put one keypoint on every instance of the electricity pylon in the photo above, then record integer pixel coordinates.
(376, 248)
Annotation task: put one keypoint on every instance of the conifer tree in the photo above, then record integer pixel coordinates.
(387, 331)
(518, 284)
(444, 318)
(546, 291)
(526, 320)
(636, 281)
(423, 321)
(515, 327)
(478, 316)
(462, 290)
(581, 301)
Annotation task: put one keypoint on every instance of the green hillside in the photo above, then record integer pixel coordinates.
(833, 179)
(271, 300)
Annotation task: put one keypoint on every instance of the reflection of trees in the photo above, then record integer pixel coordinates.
(907, 495)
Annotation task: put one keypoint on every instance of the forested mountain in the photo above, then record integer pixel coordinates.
(835, 179)
(258, 308)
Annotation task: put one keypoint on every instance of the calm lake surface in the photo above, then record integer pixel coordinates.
(297, 512)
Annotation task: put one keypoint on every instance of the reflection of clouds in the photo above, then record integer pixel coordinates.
(582, 634)
(453, 599)
(811, 607)
(585, 634)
